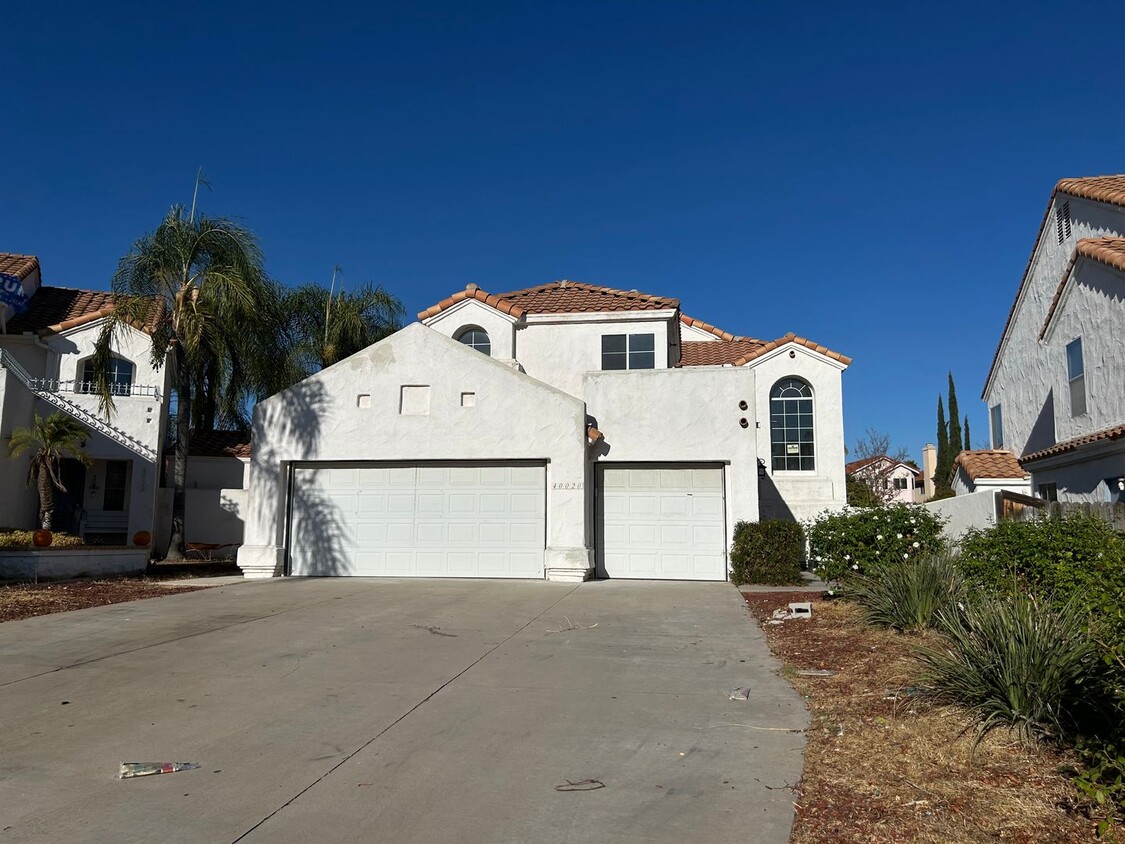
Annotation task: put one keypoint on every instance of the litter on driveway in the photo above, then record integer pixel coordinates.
(148, 769)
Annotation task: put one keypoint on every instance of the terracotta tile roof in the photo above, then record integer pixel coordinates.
(558, 297)
(792, 338)
(21, 266)
(988, 463)
(1114, 433)
(217, 444)
(710, 329)
(716, 353)
(1109, 189)
(54, 309)
(1106, 250)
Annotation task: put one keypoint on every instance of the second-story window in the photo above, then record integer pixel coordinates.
(997, 418)
(1076, 376)
(476, 338)
(628, 351)
(119, 374)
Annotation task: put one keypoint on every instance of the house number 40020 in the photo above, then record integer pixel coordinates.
(570, 485)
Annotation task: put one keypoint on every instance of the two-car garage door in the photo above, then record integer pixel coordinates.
(418, 520)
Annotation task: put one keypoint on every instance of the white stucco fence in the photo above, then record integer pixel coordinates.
(975, 510)
(76, 562)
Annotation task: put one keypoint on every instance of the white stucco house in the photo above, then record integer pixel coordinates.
(988, 469)
(1056, 388)
(45, 366)
(895, 481)
(561, 431)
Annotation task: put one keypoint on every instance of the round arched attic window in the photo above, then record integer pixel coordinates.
(476, 338)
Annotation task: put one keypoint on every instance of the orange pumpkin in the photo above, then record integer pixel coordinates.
(41, 538)
(142, 537)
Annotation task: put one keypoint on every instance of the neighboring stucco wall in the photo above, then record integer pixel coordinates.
(560, 353)
(217, 472)
(681, 415)
(970, 510)
(514, 417)
(1027, 378)
(214, 516)
(805, 493)
(962, 485)
(1094, 310)
(1081, 476)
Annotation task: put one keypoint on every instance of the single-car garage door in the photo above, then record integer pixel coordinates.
(418, 520)
(663, 522)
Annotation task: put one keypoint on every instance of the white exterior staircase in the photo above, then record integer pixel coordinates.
(80, 413)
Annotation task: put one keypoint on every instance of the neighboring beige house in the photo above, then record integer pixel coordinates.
(45, 366)
(991, 469)
(1056, 388)
(892, 480)
(561, 431)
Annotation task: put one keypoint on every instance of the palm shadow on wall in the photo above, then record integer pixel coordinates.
(311, 522)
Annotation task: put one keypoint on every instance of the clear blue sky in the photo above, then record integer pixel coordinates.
(867, 175)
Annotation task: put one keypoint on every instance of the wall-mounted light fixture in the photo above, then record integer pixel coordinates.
(761, 468)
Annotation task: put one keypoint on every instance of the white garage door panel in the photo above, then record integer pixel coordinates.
(662, 523)
(419, 521)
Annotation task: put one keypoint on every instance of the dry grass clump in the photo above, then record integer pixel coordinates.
(880, 766)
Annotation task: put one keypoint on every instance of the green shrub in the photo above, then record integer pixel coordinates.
(860, 540)
(767, 552)
(911, 596)
(1015, 661)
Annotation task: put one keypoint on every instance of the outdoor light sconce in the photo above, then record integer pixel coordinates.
(1121, 484)
(761, 468)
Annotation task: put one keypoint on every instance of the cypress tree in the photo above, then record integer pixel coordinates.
(955, 438)
(968, 442)
(944, 461)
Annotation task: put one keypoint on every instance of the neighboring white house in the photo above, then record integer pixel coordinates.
(1056, 388)
(45, 366)
(559, 431)
(894, 481)
(979, 470)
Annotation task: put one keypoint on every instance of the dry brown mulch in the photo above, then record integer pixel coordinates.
(881, 767)
(25, 600)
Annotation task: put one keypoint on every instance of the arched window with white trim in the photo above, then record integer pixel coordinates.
(119, 374)
(476, 338)
(792, 437)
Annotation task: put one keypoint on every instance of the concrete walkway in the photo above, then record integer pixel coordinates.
(399, 711)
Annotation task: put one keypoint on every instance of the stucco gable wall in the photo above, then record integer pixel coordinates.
(323, 418)
(1093, 309)
(804, 494)
(1025, 371)
(472, 313)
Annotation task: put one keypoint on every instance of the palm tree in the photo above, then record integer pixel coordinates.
(196, 284)
(50, 440)
(324, 328)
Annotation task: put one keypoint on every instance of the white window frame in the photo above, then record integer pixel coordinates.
(811, 398)
(118, 386)
(632, 355)
(1076, 382)
(485, 348)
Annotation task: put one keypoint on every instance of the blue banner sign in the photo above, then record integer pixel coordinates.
(11, 293)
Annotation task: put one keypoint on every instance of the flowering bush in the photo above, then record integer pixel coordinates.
(859, 540)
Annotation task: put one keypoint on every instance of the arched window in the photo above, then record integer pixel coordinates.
(119, 374)
(791, 426)
(476, 338)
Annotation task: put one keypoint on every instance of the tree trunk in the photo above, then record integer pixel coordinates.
(46, 498)
(176, 546)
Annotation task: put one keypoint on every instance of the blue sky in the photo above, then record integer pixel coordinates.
(870, 175)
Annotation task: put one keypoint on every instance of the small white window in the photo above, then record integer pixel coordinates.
(119, 374)
(628, 351)
(997, 419)
(476, 338)
(900, 483)
(1048, 492)
(1076, 376)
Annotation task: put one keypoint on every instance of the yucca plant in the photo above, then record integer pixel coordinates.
(1015, 662)
(909, 597)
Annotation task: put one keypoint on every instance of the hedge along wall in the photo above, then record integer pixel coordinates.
(858, 540)
(767, 552)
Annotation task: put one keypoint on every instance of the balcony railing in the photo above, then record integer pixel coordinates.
(54, 385)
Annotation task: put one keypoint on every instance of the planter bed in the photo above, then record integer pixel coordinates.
(83, 561)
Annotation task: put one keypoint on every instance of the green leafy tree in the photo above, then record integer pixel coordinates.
(196, 283)
(49, 440)
(944, 459)
(968, 442)
(955, 438)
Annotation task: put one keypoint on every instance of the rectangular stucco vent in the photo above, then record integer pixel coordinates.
(363, 401)
(1062, 221)
(415, 400)
(468, 400)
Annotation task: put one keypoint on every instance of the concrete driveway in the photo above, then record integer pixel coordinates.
(399, 711)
